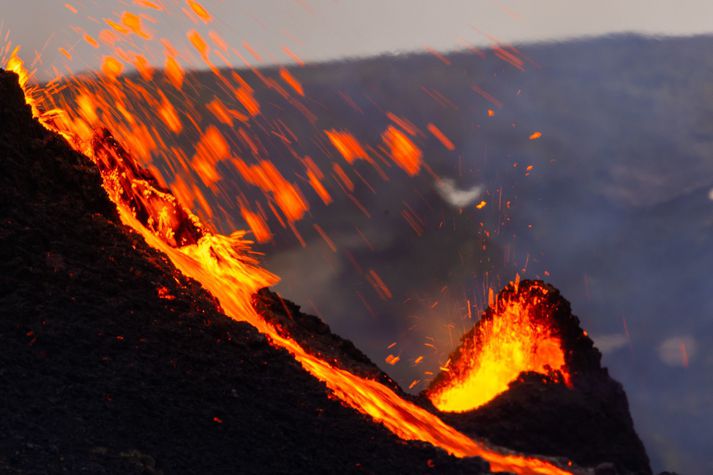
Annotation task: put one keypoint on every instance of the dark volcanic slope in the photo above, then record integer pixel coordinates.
(316, 337)
(98, 374)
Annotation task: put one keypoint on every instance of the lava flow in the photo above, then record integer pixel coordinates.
(515, 335)
(223, 265)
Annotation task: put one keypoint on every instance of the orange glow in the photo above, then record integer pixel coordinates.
(347, 145)
(245, 96)
(268, 178)
(291, 81)
(257, 225)
(403, 151)
(169, 116)
(148, 4)
(143, 67)
(65, 53)
(405, 124)
(91, 41)
(441, 137)
(224, 114)
(199, 43)
(515, 335)
(133, 23)
(319, 187)
(535, 135)
(174, 72)
(200, 10)
(116, 26)
(326, 237)
(379, 284)
(112, 67)
(293, 56)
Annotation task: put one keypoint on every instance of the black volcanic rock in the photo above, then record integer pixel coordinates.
(317, 338)
(111, 361)
(588, 423)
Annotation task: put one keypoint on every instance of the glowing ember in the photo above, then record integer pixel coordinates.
(515, 335)
(403, 151)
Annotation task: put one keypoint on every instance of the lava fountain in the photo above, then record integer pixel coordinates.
(516, 334)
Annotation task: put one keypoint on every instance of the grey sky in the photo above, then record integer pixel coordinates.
(327, 29)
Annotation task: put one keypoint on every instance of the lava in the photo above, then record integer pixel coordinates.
(223, 264)
(515, 335)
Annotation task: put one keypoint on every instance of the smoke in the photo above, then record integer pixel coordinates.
(677, 350)
(611, 342)
(454, 196)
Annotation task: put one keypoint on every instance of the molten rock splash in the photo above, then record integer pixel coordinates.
(515, 335)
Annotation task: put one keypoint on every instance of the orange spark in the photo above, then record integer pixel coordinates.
(347, 145)
(293, 56)
(403, 151)
(199, 43)
(379, 284)
(445, 141)
(133, 23)
(148, 4)
(200, 11)
(325, 237)
(257, 224)
(291, 81)
(143, 67)
(65, 53)
(174, 72)
(90, 40)
(112, 67)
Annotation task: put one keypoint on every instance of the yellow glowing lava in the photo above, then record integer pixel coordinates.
(511, 339)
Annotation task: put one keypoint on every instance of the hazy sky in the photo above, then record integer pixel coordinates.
(327, 29)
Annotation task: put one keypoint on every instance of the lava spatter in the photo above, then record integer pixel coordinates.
(517, 334)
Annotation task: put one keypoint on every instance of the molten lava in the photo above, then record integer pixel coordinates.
(516, 334)
(223, 264)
